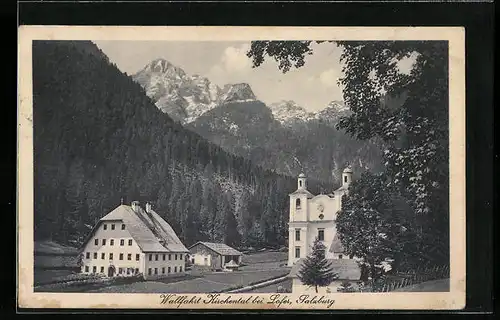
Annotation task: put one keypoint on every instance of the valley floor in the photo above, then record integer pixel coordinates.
(258, 267)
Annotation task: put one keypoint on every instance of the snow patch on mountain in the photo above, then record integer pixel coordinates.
(287, 111)
(186, 97)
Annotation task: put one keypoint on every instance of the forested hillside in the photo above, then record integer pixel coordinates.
(98, 138)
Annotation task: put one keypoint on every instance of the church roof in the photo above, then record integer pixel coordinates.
(220, 248)
(348, 169)
(347, 269)
(336, 245)
(302, 175)
(303, 191)
(151, 232)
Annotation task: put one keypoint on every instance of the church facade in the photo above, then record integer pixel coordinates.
(314, 216)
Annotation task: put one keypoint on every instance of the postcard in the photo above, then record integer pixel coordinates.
(277, 168)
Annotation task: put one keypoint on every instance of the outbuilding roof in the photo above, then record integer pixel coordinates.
(151, 232)
(220, 248)
(347, 269)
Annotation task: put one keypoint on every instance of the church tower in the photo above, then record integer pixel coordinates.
(347, 177)
(299, 215)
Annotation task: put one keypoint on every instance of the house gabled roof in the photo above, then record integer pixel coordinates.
(151, 232)
(347, 269)
(220, 248)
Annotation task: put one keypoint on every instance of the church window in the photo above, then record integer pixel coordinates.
(321, 234)
(345, 178)
(300, 183)
(297, 252)
(297, 203)
(297, 234)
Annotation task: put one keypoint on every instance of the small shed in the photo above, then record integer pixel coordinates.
(216, 256)
(347, 270)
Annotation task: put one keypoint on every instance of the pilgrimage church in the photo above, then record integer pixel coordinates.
(314, 216)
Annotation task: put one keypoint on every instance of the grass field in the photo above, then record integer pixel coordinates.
(209, 283)
(257, 267)
(273, 288)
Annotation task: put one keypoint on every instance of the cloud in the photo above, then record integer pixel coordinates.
(329, 78)
(233, 60)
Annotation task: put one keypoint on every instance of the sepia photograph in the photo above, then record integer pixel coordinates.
(228, 167)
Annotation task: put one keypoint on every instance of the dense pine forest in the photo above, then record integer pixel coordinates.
(99, 139)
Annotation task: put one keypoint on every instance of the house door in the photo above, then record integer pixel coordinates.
(111, 271)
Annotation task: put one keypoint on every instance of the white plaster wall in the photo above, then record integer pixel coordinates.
(177, 267)
(199, 259)
(115, 249)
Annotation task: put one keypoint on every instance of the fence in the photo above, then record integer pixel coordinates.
(418, 276)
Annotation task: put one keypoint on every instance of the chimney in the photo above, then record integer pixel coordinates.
(135, 206)
(148, 207)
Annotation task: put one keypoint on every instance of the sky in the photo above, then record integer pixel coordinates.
(312, 86)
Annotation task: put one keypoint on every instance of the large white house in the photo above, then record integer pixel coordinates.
(314, 216)
(131, 240)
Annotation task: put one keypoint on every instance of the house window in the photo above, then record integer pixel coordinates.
(110, 256)
(103, 242)
(130, 242)
(156, 257)
(180, 257)
(169, 257)
(340, 256)
(121, 256)
(105, 227)
(297, 234)
(206, 261)
(156, 270)
(351, 256)
(175, 257)
(87, 255)
(297, 203)
(163, 270)
(102, 269)
(136, 270)
(120, 270)
(136, 257)
(175, 269)
(128, 270)
(112, 227)
(95, 255)
(86, 268)
(96, 242)
(123, 226)
(94, 269)
(168, 270)
(180, 269)
(150, 256)
(297, 252)
(122, 242)
(103, 256)
(111, 242)
(149, 271)
(321, 234)
(129, 256)
(164, 257)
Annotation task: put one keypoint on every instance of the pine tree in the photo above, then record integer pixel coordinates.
(316, 270)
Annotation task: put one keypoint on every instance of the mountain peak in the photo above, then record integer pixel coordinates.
(288, 110)
(237, 92)
(161, 65)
